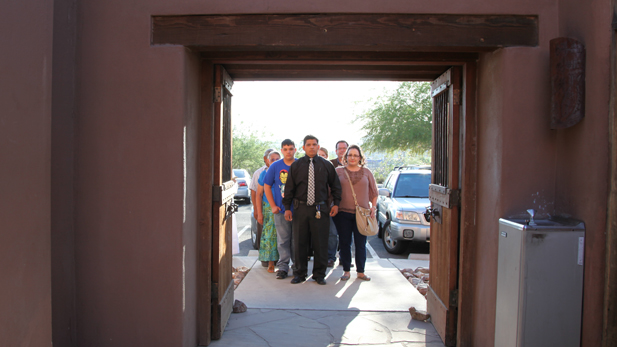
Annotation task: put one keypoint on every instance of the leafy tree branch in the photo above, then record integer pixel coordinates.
(400, 120)
(248, 148)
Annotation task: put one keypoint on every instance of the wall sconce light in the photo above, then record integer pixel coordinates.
(567, 82)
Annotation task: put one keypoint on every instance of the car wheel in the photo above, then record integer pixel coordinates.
(391, 245)
(256, 236)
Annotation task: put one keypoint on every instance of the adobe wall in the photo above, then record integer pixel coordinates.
(515, 160)
(135, 227)
(190, 225)
(582, 158)
(489, 185)
(135, 259)
(522, 164)
(25, 158)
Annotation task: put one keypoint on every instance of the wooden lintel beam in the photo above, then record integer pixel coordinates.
(333, 77)
(376, 64)
(347, 32)
(359, 68)
(346, 72)
(339, 58)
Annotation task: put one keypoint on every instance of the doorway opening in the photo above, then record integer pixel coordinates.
(331, 110)
(342, 47)
(447, 87)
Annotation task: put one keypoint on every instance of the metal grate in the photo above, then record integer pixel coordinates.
(226, 135)
(440, 124)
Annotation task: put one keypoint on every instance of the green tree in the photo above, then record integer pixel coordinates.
(248, 149)
(399, 120)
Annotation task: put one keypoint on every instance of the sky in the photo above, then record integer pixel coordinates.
(292, 110)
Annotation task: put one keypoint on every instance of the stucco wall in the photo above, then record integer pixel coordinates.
(134, 192)
(190, 229)
(130, 178)
(523, 164)
(25, 156)
(516, 158)
(582, 158)
(489, 185)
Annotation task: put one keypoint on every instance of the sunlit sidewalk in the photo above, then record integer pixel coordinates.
(349, 313)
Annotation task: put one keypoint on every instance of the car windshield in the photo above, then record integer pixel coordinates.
(412, 186)
(239, 173)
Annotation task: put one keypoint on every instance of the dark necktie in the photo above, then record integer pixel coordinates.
(310, 193)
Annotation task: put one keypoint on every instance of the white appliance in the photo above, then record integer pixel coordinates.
(539, 282)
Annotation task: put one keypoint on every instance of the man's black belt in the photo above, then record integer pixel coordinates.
(304, 202)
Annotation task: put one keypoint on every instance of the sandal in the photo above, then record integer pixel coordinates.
(364, 278)
(344, 277)
(271, 266)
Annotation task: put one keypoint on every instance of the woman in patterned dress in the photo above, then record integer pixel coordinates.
(267, 247)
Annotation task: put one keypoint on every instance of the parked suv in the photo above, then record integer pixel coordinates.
(243, 178)
(400, 209)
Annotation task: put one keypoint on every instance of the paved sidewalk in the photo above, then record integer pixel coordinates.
(341, 313)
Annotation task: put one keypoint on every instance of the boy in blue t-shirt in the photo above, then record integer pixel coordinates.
(274, 186)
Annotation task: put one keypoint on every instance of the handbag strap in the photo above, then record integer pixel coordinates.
(351, 184)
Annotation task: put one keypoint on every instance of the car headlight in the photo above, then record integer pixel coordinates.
(409, 216)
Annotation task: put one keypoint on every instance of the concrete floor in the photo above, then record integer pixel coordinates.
(341, 313)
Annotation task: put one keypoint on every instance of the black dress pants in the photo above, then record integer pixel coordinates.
(307, 229)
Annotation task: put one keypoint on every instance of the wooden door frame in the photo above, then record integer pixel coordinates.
(210, 147)
(468, 228)
(205, 186)
(467, 242)
(355, 44)
(609, 328)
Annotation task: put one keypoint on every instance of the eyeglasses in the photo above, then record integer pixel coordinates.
(353, 156)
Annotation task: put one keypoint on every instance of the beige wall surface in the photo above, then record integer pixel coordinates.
(25, 118)
(135, 160)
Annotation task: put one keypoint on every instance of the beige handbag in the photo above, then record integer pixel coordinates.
(366, 225)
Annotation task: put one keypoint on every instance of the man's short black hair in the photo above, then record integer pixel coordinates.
(287, 142)
(341, 141)
(309, 137)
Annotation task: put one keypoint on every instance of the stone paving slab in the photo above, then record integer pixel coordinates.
(341, 313)
(315, 328)
(387, 291)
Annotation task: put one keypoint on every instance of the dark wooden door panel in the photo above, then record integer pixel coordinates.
(222, 281)
(222, 201)
(444, 195)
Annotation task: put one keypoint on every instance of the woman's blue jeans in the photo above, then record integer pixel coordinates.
(347, 230)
